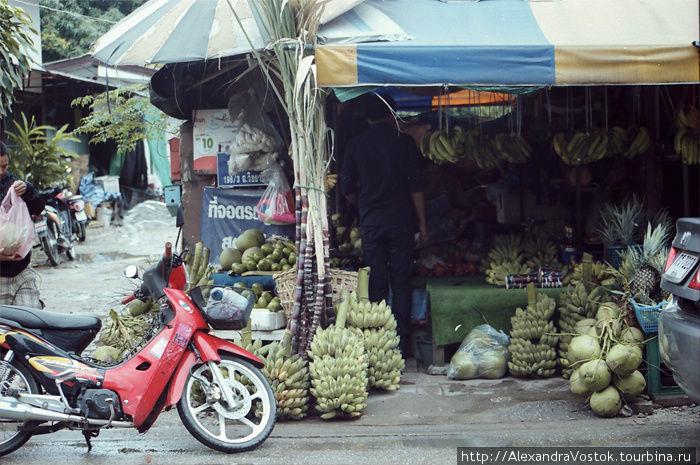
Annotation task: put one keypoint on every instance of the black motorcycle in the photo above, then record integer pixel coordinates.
(54, 227)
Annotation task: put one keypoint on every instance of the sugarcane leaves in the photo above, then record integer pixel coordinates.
(306, 66)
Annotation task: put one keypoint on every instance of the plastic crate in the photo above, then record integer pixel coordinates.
(648, 316)
(658, 376)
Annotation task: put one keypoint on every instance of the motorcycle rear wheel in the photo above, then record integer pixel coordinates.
(50, 245)
(80, 233)
(213, 422)
(10, 438)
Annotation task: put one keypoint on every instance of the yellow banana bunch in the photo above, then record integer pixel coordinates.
(686, 144)
(440, 147)
(330, 181)
(582, 148)
(533, 339)
(601, 274)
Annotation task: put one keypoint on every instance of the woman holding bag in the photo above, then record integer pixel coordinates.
(18, 281)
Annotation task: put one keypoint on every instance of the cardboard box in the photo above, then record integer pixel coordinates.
(109, 183)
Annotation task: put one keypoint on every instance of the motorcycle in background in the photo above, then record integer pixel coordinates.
(76, 204)
(54, 227)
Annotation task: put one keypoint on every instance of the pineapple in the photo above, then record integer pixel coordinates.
(641, 268)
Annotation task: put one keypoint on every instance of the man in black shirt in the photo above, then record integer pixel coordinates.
(381, 174)
(18, 281)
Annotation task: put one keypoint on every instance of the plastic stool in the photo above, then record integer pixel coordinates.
(655, 367)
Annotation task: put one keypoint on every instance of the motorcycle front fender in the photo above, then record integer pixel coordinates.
(209, 348)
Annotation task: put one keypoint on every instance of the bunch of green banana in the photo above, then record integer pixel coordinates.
(601, 274)
(288, 377)
(383, 356)
(338, 369)
(510, 147)
(368, 314)
(198, 268)
(504, 248)
(533, 337)
(376, 325)
(442, 147)
(617, 140)
(581, 148)
(641, 141)
(688, 118)
(575, 304)
(497, 272)
(541, 252)
(686, 144)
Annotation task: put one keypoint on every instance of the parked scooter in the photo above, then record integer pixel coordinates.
(79, 219)
(223, 399)
(54, 227)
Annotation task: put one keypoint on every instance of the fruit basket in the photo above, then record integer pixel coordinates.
(286, 280)
(648, 315)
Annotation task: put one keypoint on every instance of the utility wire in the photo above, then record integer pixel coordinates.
(72, 13)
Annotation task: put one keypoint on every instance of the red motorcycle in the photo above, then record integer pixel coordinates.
(222, 397)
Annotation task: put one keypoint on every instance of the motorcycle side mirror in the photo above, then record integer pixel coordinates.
(131, 271)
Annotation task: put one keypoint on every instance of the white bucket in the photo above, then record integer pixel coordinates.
(104, 215)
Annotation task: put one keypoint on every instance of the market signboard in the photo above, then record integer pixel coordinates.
(224, 178)
(226, 213)
(213, 132)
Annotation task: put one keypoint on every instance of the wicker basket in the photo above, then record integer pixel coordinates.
(286, 281)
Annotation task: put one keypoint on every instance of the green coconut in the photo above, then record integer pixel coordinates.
(251, 254)
(632, 335)
(630, 385)
(107, 354)
(613, 327)
(257, 234)
(228, 257)
(463, 365)
(594, 374)
(577, 385)
(606, 403)
(582, 348)
(583, 326)
(247, 240)
(492, 364)
(607, 311)
(623, 359)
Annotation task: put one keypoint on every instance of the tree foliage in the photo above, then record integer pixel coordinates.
(68, 35)
(14, 63)
(123, 120)
(37, 154)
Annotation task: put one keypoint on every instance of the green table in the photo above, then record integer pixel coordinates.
(458, 304)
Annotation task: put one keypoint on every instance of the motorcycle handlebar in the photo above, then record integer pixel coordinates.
(128, 298)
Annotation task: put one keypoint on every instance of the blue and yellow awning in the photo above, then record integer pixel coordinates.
(514, 42)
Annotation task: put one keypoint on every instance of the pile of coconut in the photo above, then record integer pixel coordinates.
(605, 355)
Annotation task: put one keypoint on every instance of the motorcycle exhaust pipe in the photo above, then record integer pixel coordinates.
(15, 410)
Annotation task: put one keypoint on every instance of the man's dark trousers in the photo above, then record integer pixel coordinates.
(388, 251)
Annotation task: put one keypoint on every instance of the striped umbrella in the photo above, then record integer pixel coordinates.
(175, 31)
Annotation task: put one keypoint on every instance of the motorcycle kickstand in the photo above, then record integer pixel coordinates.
(88, 434)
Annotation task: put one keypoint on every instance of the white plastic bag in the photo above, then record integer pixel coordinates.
(482, 354)
(16, 226)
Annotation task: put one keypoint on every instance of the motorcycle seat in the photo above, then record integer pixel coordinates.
(32, 318)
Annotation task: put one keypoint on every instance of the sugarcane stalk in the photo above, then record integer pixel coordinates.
(363, 284)
(342, 313)
(196, 261)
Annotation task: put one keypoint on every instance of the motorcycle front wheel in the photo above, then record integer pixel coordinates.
(17, 378)
(216, 423)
